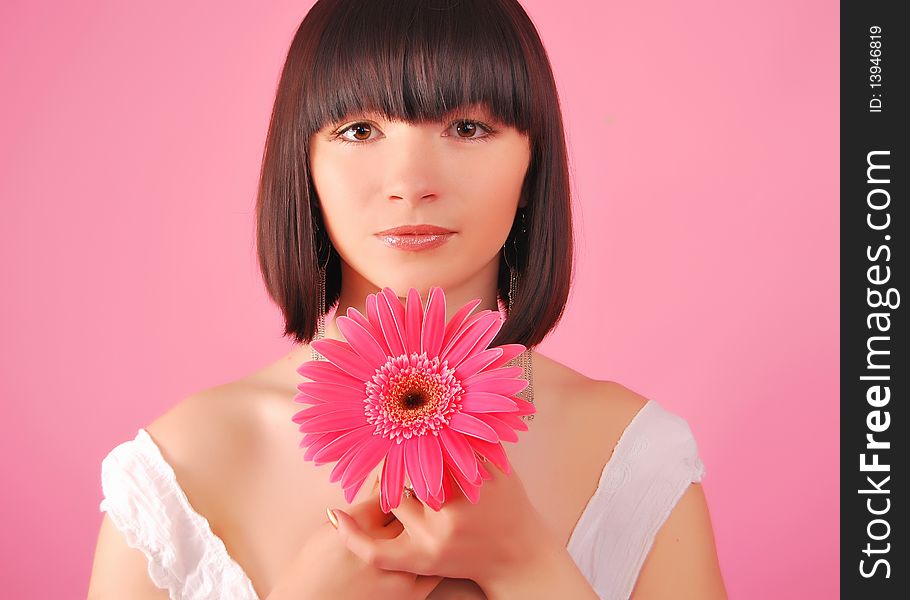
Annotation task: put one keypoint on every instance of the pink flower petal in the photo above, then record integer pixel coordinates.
(512, 420)
(430, 454)
(477, 363)
(471, 491)
(484, 402)
(457, 320)
(341, 355)
(321, 370)
(505, 387)
(323, 408)
(392, 328)
(459, 452)
(459, 333)
(465, 345)
(509, 351)
(325, 391)
(484, 474)
(373, 313)
(369, 455)
(524, 407)
(487, 336)
(435, 504)
(398, 307)
(469, 425)
(345, 418)
(342, 463)
(316, 451)
(498, 373)
(310, 438)
(362, 342)
(434, 323)
(413, 321)
(392, 478)
(361, 320)
(315, 445)
(503, 430)
(335, 449)
(412, 465)
(494, 453)
(350, 492)
(447, 481)
(306, 398)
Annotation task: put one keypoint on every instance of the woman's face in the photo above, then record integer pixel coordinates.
(463, 174)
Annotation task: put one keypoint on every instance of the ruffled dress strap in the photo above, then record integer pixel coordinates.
(147, 505)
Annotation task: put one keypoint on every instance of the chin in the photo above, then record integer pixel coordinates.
(400, 284)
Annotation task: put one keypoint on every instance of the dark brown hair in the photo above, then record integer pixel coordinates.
(414, 60)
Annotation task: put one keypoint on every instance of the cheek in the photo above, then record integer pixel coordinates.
(495, 185)
(340, 195)
(332, 180)
(499, 172)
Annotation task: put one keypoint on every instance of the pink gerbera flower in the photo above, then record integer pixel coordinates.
(427, 397)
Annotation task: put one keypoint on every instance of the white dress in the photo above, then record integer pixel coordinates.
(653, 463)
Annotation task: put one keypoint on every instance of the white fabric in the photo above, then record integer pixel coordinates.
(145, 502)
(653, 463)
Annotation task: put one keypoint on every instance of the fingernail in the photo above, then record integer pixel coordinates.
(332, 518)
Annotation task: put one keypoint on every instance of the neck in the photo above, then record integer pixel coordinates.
(355, 289)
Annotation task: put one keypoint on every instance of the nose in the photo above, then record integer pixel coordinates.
(415, 199)
(413, 165)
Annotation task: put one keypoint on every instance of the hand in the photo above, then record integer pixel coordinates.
(462, 540)
(326, 570)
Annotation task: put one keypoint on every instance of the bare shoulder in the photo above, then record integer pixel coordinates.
(199, 437)
(195, 428)
(210, 438)
(598, 406)
(119, 570)
(682, 562)
(614, 399)
(579, 419)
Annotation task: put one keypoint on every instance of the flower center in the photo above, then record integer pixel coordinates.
(412, 395)
(413, 399)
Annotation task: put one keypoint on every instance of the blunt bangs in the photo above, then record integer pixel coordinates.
(416, 61)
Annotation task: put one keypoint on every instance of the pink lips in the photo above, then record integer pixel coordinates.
(415, 237)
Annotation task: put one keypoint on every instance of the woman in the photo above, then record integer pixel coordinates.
(387, 116)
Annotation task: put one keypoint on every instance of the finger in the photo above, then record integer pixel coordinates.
(411, 511)
(369, 512)
(426, 584)
(392, 530)
(392, 555)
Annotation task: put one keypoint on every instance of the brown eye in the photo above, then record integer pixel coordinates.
(358, 129)
(466, 126)
(361, 133)
(471, 130)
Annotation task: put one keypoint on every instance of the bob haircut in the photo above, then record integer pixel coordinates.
(414, 61)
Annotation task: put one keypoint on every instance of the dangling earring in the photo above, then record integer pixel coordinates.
(513, 270)
(513, 288)
(524, 359)
(320, 296)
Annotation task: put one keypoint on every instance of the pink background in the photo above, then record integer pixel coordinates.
(704, 142)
